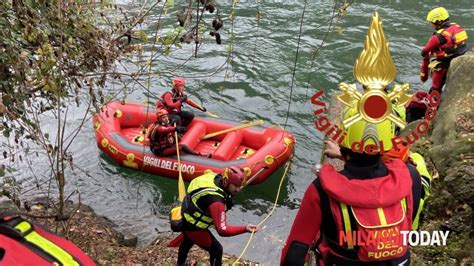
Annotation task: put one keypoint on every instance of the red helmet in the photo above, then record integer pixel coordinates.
(161, 112)
(235, 175)
(178, 82)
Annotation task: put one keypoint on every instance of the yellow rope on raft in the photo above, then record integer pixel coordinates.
(268, 215)
(251, 124)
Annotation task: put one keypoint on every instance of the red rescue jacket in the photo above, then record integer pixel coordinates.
(356, 203)
(26, 243)
(446, 43)
(171, 100)
(160, 136)
(368, 214)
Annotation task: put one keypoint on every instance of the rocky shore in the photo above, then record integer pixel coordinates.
(96, 235)
(449, 151)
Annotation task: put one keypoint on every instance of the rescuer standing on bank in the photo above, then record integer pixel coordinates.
(208, 198)
(447, 42)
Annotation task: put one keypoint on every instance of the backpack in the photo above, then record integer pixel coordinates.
(176, 219)
(365, 234)
(25, 243)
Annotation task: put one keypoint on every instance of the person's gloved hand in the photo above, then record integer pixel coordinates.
(423, 76)
(184, 98)
(180, 130)
(204, 109)
(251, 228)
(424, 71)
(332, 150)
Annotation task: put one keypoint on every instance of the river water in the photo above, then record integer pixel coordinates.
(256, 85)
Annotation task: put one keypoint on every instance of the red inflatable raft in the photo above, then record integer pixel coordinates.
(121, 128)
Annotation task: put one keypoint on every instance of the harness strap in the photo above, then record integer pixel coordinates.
(193, 213)
(197, 217)
(347, 224)
(328, 226)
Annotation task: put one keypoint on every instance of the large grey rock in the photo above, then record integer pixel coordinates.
(455, 115)
(7, 204)
(450, 154)
(450, 206)
(128, 240)
(453, 132)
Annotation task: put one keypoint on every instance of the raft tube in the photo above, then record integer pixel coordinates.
(120, 130)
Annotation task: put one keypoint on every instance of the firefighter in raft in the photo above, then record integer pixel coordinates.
(447, 42)
(161, 136)
(208, 198)
(173, 101)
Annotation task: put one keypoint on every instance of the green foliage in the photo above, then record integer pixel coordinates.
(52, 51)
(46, 48)
(9, 187)
(170, 39)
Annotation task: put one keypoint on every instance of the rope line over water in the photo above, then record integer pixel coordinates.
(288, 164)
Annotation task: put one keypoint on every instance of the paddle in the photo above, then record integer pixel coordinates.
(181, 188)
(202, 108)
(181, 194)
(251, 124)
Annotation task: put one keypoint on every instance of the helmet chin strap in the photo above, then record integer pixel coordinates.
(439, 25)
(225, 181)
(178, 92)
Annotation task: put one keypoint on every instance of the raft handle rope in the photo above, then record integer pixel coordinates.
(247, 182)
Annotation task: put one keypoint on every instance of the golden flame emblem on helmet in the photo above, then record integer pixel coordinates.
(374, 69)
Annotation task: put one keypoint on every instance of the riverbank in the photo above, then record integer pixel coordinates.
(96, 235)
(449, 152)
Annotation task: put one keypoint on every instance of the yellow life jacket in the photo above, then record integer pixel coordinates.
(425, 181)
(201, 186)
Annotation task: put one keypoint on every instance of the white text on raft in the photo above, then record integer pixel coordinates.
(169, 165)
